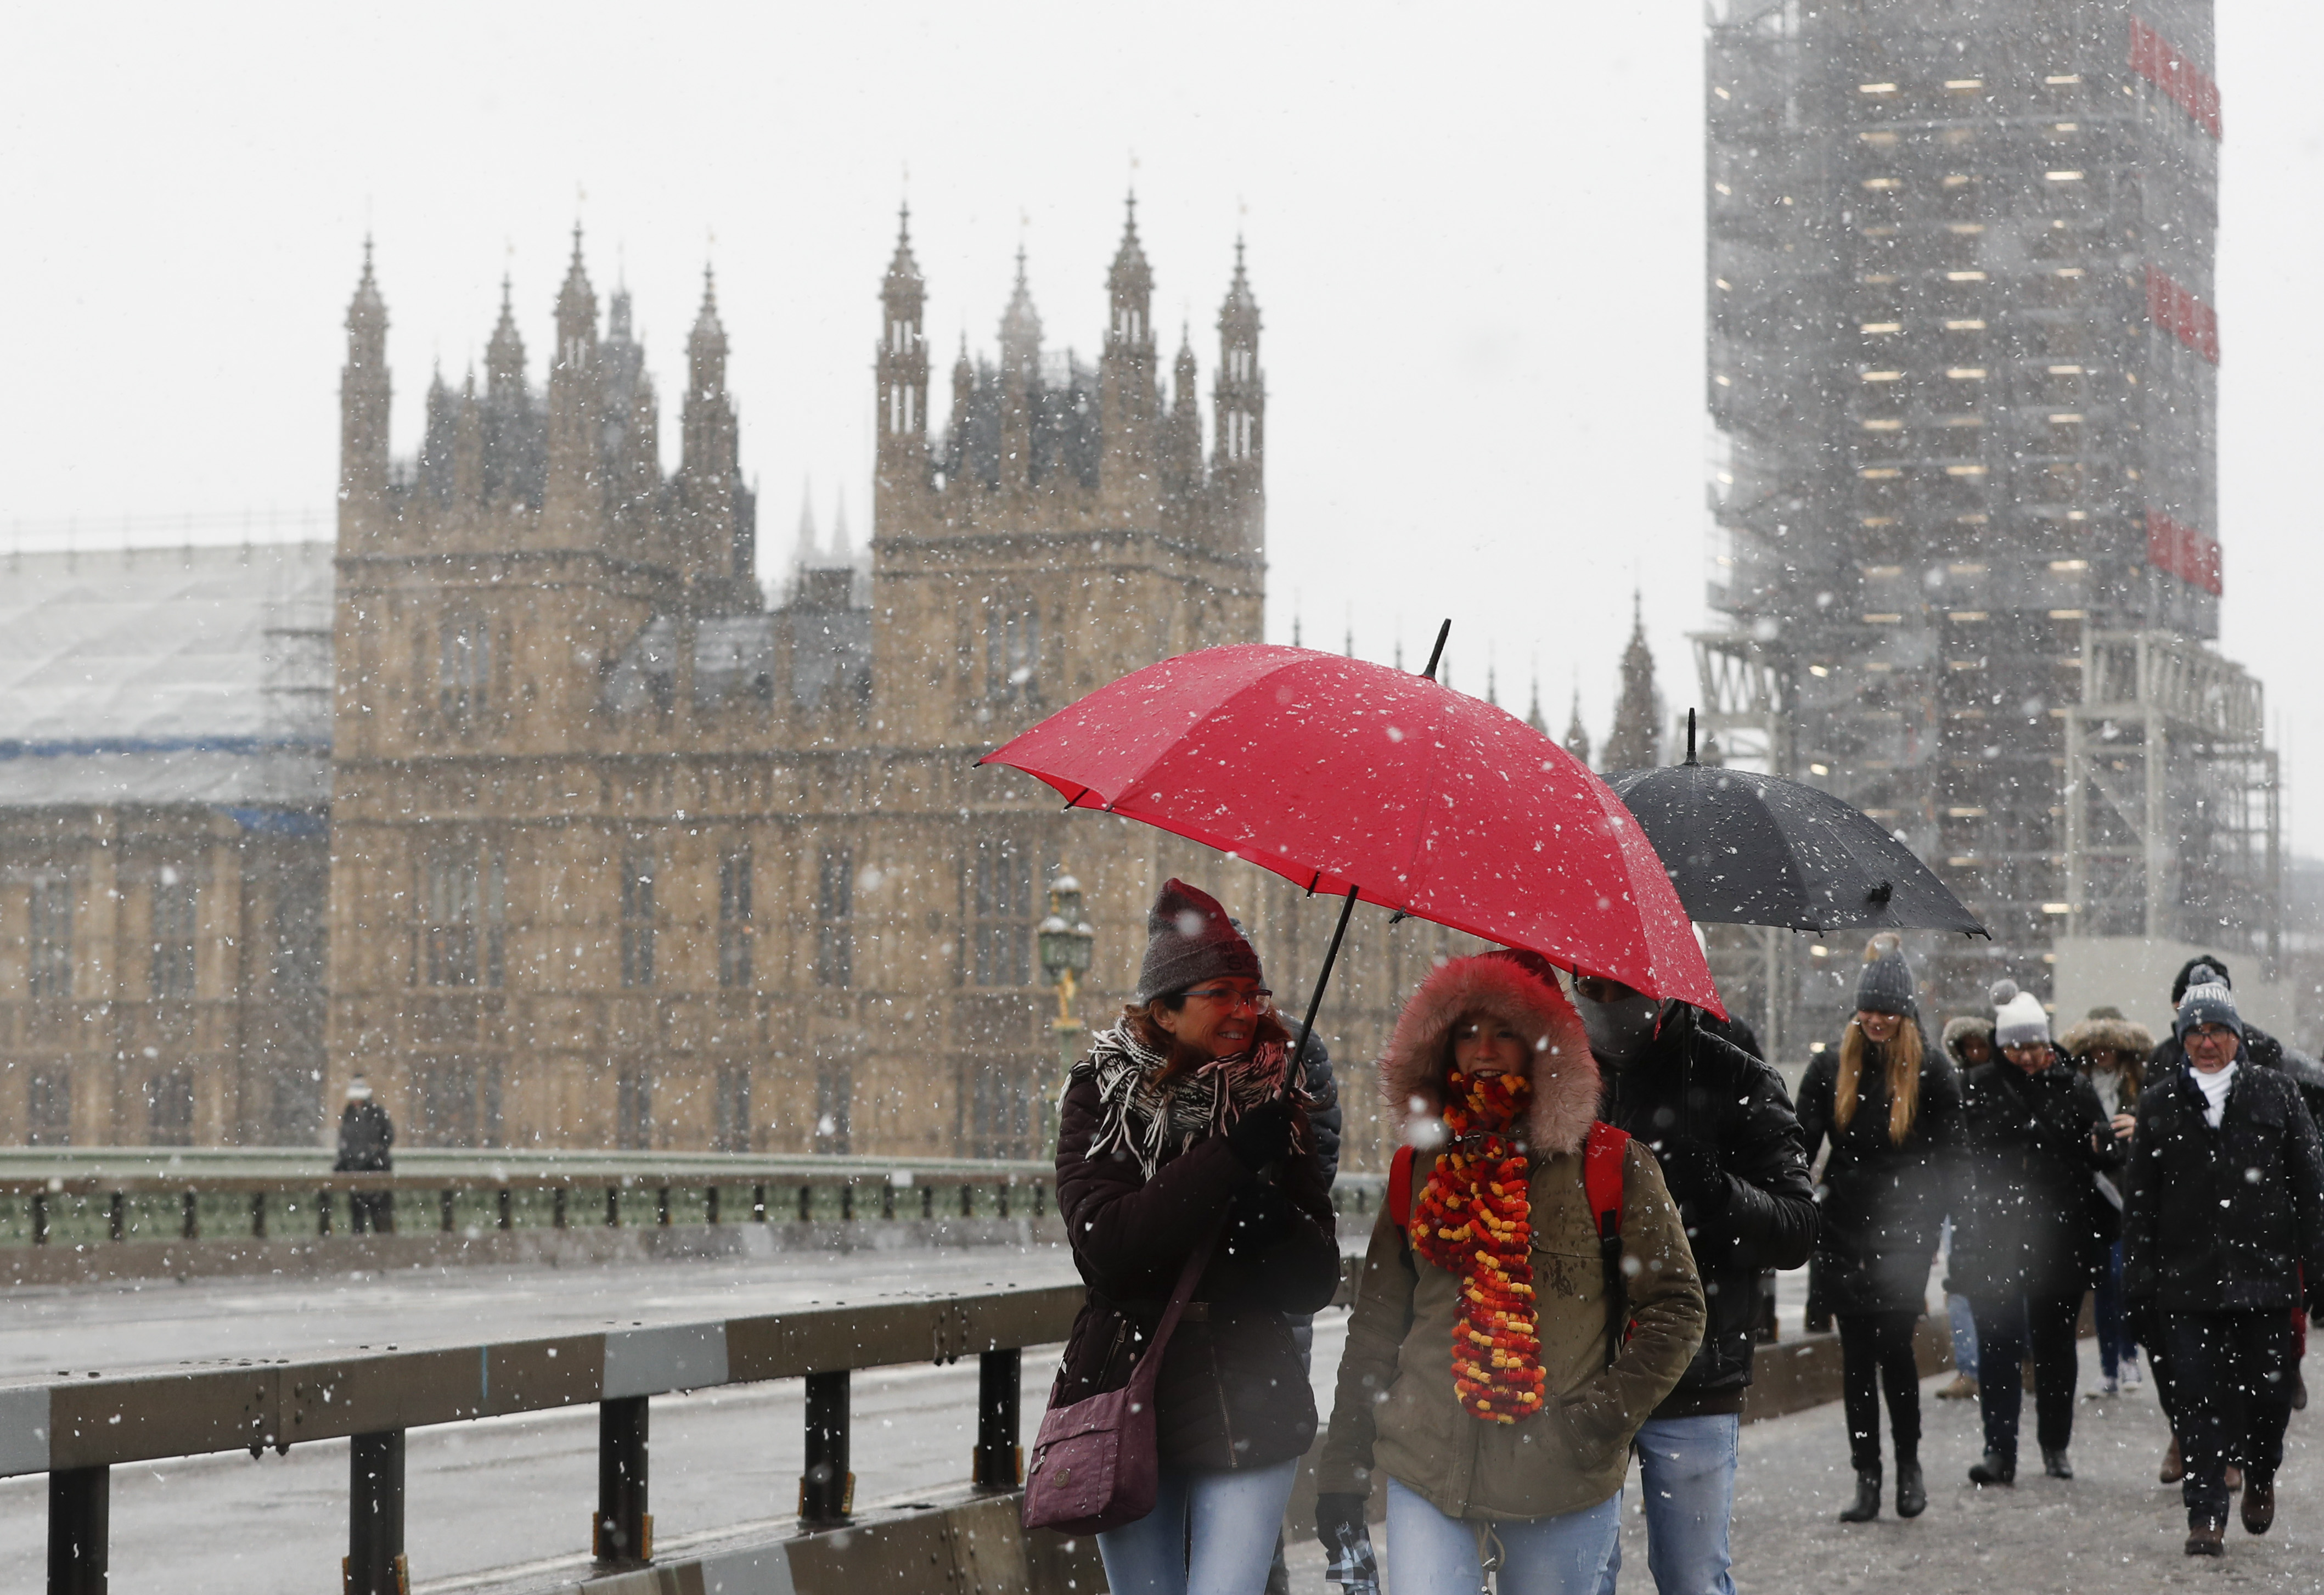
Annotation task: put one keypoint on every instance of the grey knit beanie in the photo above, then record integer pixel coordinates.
(1884, 985)
(1189, 939)
(2209, 1003)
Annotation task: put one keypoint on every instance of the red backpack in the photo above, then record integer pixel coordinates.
(1603, 1152)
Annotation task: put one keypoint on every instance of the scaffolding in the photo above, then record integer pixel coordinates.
(2172, 797)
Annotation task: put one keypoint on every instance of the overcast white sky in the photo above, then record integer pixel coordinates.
(1476, 235)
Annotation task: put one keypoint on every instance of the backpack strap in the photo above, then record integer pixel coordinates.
(1602, 1155)
(1399, 1188)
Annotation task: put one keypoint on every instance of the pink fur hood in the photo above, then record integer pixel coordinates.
(1522, 990)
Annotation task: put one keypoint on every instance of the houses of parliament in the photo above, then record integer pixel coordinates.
(600, 849)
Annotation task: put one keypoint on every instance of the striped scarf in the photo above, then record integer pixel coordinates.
(1151, 1119)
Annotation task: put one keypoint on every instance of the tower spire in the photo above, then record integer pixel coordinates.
(1239, 454)
(364, 394)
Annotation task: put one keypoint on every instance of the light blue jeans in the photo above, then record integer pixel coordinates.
(1686, 1467)
(1429, 1553)
(1212, 1532)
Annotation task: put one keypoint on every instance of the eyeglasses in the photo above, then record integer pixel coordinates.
(1260, 1002)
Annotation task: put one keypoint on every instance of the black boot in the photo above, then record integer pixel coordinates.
(1911, 1494)
(1995, 1468)
(2054, 1463)
(1866, 1505)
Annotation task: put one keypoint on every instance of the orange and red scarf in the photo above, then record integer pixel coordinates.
(1474, 1219)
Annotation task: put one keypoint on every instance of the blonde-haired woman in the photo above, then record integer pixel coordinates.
(1890, 1107)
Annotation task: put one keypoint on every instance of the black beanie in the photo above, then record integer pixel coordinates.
(1189, 939)
(1884, 985)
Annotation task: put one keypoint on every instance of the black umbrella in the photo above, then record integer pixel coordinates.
(1745, 849)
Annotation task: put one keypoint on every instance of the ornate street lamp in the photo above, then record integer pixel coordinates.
(1065, 942)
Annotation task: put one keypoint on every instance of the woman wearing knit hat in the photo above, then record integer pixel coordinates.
(1180, 1133)
(1483, 1374)
(1890, 1106)
(2111, 1053)
(2033, 1230)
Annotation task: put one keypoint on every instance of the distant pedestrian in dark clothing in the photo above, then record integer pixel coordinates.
(1968, 1042)
(2031, 1229)
(2111, 1053)
(366, 1137)
(1890, 1106)
(2224, 1209)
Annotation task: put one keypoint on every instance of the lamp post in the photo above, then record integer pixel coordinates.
(1065, 940)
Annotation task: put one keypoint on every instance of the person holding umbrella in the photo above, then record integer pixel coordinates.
(1890, 1107)
(1498, 1360)
(2032, 1229)
(1721, 1124)
(1182, 1131)
(2224, 1210)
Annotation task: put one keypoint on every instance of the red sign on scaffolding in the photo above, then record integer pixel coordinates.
(2174, 309)
(2183, 551)
(2157, 59)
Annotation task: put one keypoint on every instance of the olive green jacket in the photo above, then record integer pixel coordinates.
(1395, 1409)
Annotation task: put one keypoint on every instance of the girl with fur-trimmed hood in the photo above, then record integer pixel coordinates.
(1476, 1374)
(2111, 1053)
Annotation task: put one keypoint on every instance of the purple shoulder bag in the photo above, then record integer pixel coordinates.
(1096, 1463)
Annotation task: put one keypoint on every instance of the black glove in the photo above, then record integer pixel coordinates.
(1340, 1520)
(1691, 1169)
(1262, 1135)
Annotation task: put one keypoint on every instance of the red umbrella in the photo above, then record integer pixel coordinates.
(1357, 779)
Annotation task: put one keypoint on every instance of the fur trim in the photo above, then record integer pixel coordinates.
(2121, 1036)
(1965, 1025)
(1565, 1074)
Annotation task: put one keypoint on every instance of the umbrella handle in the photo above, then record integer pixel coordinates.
(1315, 1000)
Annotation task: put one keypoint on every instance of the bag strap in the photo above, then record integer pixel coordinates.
(1603, 1151)
(1149, 1362)
(1399, 1188)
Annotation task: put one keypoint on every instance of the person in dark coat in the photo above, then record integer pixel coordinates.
(366, 1142)
(1890, 1106)
(1968, 1040)
(2224, 1210)
(2032, 1229)
(2111, 1053)
(1182, 1124)
(1721, 1123)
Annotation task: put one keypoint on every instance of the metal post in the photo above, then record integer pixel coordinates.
(967, 1199)
(446, 1204)
(80, 1505)
(613, 1207)
(998, 1463)
(807, 1202)
(116, 1218)
(710, 1204)
(374, 1564)
(759, 1204)
(827, 1490)
(557, 1211)
(322, 1212)
(258, 1215)
(928, 1201)
(39, 1218)
(887, 1200)
(661, 1206)
(193, 1222)
(1001, 1193)
(623, 1533)
(508, 1208)
(847, 1202)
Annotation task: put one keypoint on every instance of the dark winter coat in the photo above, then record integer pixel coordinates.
(2262, 1051)
(2219, 1220)
(1690, 1087)
(2027, 1214)
(1883, 1202)
(1233, 1390)
(365, 1136)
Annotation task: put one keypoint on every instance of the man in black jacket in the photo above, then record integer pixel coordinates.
(2225, 1206)
(1722, 1125)
(2261, 1050)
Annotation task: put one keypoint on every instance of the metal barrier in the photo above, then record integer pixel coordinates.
(77, 1429)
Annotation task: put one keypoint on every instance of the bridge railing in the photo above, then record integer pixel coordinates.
(79, 1425)
(106, 1196)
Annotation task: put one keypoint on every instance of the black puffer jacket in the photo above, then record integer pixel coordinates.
(2225, 1218)
(1884, 1201)
(367, 1136)
(1233, 1390)
(2028, 1215)
(1690, 1087)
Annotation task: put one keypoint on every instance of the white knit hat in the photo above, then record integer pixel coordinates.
(2019, 1021)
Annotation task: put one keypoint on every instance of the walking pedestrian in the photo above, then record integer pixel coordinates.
(1721, 1124)
(2223, 1211)
(1500, 1358)
(1180, 1130)
(1890, 1107)
(366, 1145)
(2111, 1053)
(2031, 1230)
(1968, 1042)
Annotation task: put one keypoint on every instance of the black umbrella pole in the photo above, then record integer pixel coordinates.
(1316, 1002)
